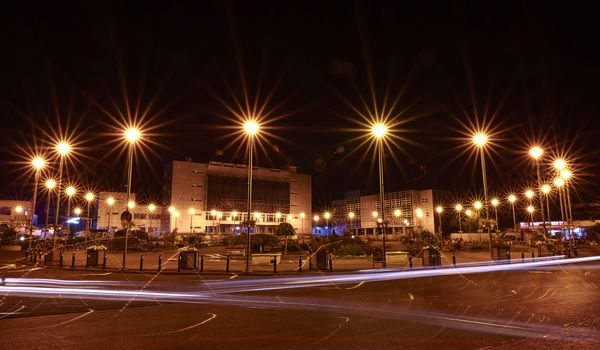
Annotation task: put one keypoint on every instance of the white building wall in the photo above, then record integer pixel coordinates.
(188, 190)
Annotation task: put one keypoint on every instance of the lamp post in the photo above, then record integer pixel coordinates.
(495, 202)
(19, 210)
(38, 163)
(132, 136)
(192, 211)
(50, 184)
(459, 209)
(512, 199)
(439, 210)
(536, 153)
(89, 197)
(70, 191)
(480, 140)
(77, 211)
(327, 217)
(151, 209)
(316, 219)
(350, 220)
(251, 128)
(419, 214)
(565, 174)
(559, 183)
(379, 131)
(546, 189)
(62, 149)
(560, 165)
(110, 201)
(469, 213)
(530, 210)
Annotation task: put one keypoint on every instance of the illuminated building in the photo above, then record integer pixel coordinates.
(364, 222)
(218, 194)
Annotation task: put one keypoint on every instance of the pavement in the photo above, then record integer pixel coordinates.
(215, 261)
(518, 306)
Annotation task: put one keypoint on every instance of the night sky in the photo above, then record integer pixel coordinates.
(530, 69)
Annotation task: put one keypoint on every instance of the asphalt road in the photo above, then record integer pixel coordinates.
(553, 307)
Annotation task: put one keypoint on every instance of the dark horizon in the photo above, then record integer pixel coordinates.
(530, 68)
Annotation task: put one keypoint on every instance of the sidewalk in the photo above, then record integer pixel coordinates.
(213, 262)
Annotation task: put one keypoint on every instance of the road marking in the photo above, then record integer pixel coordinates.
(13, 312)
(96, 274)
(356, 286)
(71, 320)
(346, 320)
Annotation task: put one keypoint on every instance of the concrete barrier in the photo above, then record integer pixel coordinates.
(261, 259)
(396, 257)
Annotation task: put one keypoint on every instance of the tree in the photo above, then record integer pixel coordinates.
(7, 234)
(285, 230)
(415, 241)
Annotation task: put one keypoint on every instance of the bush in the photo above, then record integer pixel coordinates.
(415, 241)
(7, 234)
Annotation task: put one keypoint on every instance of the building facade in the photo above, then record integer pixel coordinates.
(109, 215)
(212, 198)
(360, 215)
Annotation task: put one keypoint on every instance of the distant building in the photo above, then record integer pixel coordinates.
(212, 198)
(402, 213)
(10, 215)
(109, 216)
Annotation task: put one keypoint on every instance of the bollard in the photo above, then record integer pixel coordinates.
(300, 263)
(522, 257)
(179, 262)
(60, 261)
(142, 262)
(454, 260)
(104, 261)
(330, 262)
(532, 255)
(73, 261)
(309, 262)
(45, 258)
(410, 261)
(159, 262)
(87, 258)
(201, 263)
(227, 265)
(34, 258)
(569, 253)
(575, 251)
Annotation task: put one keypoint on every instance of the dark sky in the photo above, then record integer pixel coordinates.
(531, 69)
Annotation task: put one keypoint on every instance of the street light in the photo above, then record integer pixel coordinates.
(327, 217)
(70, 191)
(251, 128)
(469, 213)
(110, 201)
(19, 210)
(151, 209)
(480, 140)
(559, 164)
(536, 152)
(565, 174)
(379, 131)
(50, 185)
(132, 135)
(495, 202)
(77, 211)
(38, 163)
(439, 210)
(529, 194)
(546, 189)
(89, 197)
(512, 199)
(530, 210)
(419, 214)
(62, 149)
(459, 209)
